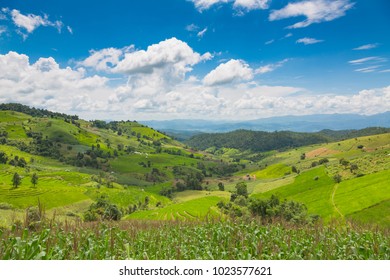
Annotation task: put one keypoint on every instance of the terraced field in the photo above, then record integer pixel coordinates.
(194, 209)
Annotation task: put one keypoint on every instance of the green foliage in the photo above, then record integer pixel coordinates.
(242, 189)
(224, 240)
(102, 209)
(272, 208)
(337, 178)
(33, 111)
(16, 180)
(3, 157)
(255, 140)
(34, 179)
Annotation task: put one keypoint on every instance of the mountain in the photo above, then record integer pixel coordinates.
(307, 123)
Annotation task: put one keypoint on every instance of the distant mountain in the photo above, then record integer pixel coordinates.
(308, 123)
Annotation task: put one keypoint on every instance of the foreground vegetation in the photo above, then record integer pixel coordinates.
(222, 240)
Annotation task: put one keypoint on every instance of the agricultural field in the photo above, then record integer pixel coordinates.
(115, 177)
(227, 240)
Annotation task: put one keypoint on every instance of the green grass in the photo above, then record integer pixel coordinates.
(360, 193)
(315, 194)
(54, 189)
(124, 197)
(380, 213)
(199, 208)
(273, 171)
(190, 195)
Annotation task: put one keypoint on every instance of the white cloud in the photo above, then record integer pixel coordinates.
(270, 67)
(192, 27)
(231, 71)
(31, 22)
(246, 5)
(105, 59)
(251, 4)
(385, 71)
(370, 59)
(3, 29)
(365, 102)
(45, 84)
(366, 47)
(172, 56)
(206, 4)
(288, 35)
(315, 11)
(368, 69)
(201, 33)
(70, 30)
(269, 42)
(309, 41)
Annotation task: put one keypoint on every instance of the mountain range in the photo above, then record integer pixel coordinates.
(185, 128)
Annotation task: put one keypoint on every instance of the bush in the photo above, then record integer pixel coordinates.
(102, 209)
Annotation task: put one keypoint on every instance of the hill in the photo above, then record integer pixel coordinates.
(77, 162)
(260, 141)
(83, 167)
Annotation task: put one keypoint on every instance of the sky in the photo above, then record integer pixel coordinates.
(196, 59)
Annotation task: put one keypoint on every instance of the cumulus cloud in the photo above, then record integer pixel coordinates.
(308, 41)
(365, 102)
(45, 83)
(171, 55)
(231, 71)
(315, 11)
(105, 59)
(270, 67)
(30, 22)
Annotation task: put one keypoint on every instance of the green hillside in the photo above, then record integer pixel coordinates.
(149, 176)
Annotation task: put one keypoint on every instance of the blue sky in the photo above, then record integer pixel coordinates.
(200, 59)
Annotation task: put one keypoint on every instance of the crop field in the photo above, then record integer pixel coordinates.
(314, 193)
(380, 213)
(225, 240)
(199, 208)
(359, 193)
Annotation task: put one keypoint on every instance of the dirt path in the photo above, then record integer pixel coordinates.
(332, 198)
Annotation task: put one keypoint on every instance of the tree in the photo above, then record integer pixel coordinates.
(3, 157)
(337, 178)
(16, 180)
(353, 167)
(34, 179)
(221, 186)
(242, 189)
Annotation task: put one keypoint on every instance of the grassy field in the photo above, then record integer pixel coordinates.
(314, 193)
(194, 209)
(360, 193)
